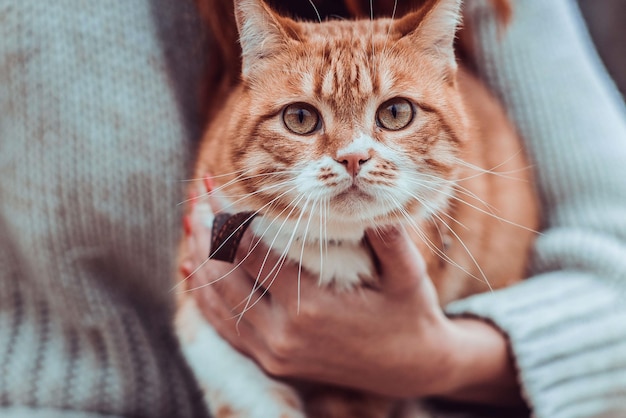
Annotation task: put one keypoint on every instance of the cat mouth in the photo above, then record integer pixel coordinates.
(353, 193)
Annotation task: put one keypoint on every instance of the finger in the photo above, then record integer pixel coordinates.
(236, 291)
(215, 197)
(239, 333)
(200, 221)
(401, 264)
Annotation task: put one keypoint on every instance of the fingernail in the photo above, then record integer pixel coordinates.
(385, 233)
(208, 183)
(187, 225)
(389, 230)
(185, 270)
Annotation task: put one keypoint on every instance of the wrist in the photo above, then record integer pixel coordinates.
(482, 369)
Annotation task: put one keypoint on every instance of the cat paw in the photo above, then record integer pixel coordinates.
(233, 385)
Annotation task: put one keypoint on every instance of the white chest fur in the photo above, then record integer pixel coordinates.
(326, 252)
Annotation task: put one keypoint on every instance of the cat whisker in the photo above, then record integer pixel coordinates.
(256, 176)
(422, 235)
(486, 212)
(228, 183)
(295, 205)
(432, 209)
(442, 237)
(213, 281)
(217, 176)
(241, 172)
(493, 215)
(319, 18)
(241, 197)
(461, 189)
(393, 16)
(469, 253)
(214, 251)
(467, 192)
(448, 258)
(203, 195)
(190, 275)
(440, 219)
(306, 231)
(324, 243)
(502, 174)
(373, 62)
(441, 253)
(456, 221)
(239, 316)
(338, 17)
(276, 269)
(250, 218)
(219, 278)
(452, 195)
(492, 170)
(252, 247)
(236, 179)
(260, 191)
(514, 155)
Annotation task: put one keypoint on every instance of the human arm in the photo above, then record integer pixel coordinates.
(567, 324)
(393, 340)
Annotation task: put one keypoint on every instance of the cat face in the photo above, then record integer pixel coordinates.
(359, 120)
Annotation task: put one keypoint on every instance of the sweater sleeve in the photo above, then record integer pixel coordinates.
(567, 323)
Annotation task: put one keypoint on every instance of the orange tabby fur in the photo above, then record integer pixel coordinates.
(496, 210)
(225, 64)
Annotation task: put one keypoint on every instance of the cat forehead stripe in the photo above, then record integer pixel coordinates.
(346, 72)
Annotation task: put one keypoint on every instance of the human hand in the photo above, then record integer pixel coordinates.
(393, 340)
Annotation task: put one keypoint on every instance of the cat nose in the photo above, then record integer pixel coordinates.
(353, 161)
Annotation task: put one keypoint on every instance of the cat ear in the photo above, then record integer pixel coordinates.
(262, 33)
(433, 29)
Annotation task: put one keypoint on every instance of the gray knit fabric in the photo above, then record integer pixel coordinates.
(97, 118)
(567, 324)
(92, 145)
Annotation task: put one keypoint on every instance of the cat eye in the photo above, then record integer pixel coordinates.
(395, 114)
(301, 118)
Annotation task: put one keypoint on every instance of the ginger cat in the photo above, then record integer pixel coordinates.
(338, 126)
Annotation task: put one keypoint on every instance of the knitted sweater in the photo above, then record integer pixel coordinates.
(567, 323)
(98, 112)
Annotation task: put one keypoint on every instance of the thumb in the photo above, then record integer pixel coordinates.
(402, 267)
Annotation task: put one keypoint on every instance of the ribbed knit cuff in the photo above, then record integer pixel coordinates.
(572, 323)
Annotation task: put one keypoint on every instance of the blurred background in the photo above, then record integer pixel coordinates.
(607, 24)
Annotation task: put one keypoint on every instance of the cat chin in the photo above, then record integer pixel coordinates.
(340, 259)
(331, 248)
(335, 229)
(332, 252)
